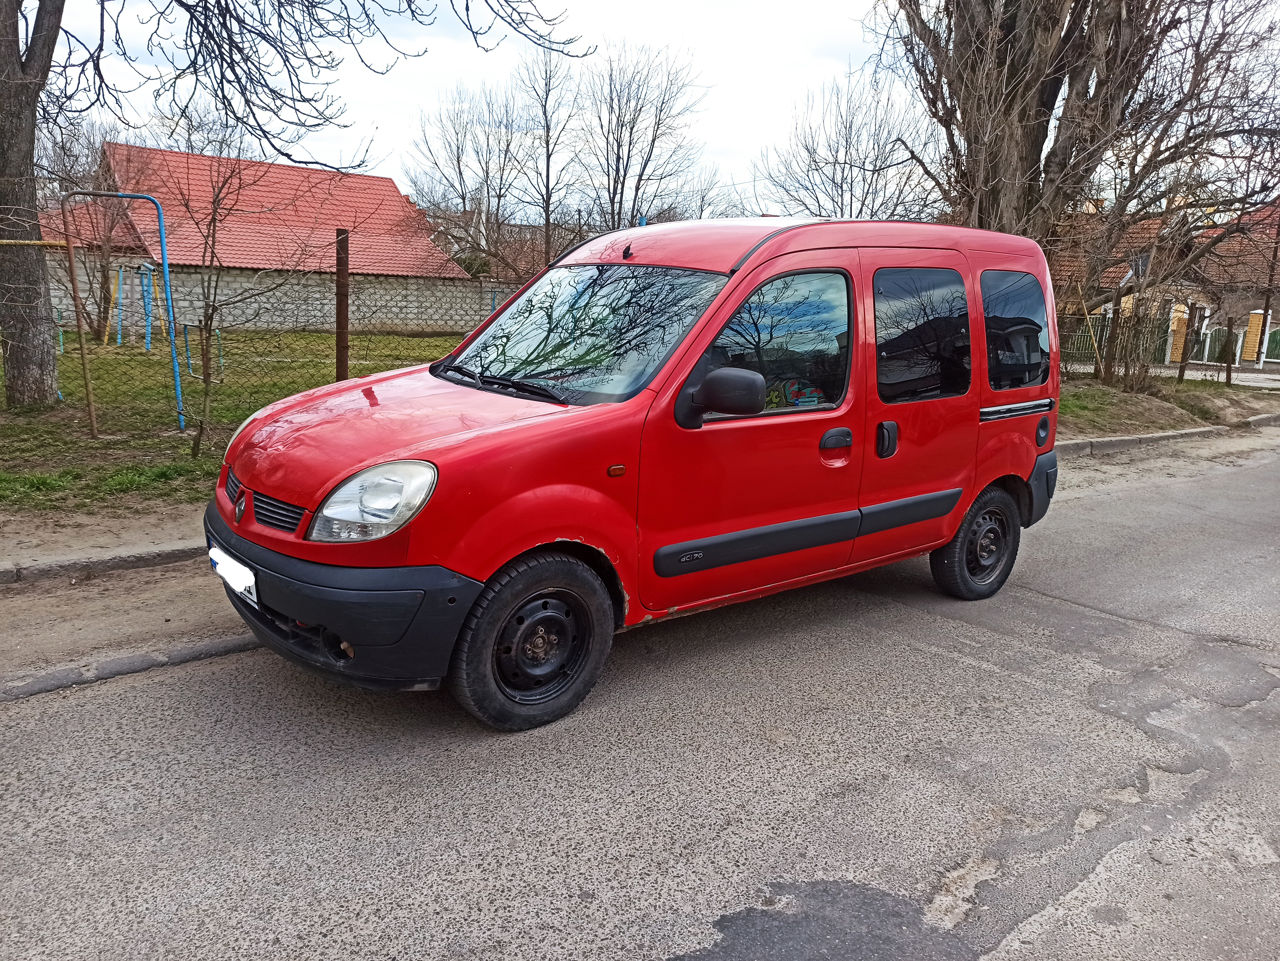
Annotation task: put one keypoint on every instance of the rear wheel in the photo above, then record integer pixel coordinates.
(534, 643)
(976, 562)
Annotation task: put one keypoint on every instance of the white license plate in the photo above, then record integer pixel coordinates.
(238, 577)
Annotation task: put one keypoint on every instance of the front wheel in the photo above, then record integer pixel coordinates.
(534, 643)
(978, 560)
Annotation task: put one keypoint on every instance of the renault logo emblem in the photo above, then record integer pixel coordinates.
(240, 502)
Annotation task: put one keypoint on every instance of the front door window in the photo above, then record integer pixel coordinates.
(793, 331)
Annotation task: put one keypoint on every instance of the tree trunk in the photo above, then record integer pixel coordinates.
(1229, 348)
(27, 330)
(1113, 338)
(1189, 339)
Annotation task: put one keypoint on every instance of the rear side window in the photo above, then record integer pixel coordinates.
(922, 334)
(1017, 329)
(794, 331)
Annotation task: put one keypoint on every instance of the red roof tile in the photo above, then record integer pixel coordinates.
(274, 216)
(92, 221)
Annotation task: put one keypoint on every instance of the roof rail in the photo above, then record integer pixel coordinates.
(768, 237)
(583, 243)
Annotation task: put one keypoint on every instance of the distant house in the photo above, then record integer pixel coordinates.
(1231, 280)
(267, 231)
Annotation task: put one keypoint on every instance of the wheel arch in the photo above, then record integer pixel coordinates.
(1020, 491)
(599, 563)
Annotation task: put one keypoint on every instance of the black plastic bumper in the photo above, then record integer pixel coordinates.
(389, 628)
(1043, 482)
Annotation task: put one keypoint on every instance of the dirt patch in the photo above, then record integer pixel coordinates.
(44, 537)
(50, 623)
(1216, 403)
(1089, 409)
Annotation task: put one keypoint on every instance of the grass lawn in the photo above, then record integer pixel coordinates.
(48, 460)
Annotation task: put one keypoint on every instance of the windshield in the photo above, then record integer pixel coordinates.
(590, 334)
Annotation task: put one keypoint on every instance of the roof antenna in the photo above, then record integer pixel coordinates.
(626, 251)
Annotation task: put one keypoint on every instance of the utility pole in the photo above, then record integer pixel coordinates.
(343, 294)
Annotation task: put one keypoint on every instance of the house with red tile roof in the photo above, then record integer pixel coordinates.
(268, 232)
(1237, 275)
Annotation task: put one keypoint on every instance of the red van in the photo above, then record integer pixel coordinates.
(668, 418)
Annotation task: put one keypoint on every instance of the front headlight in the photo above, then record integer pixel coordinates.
(375, 502)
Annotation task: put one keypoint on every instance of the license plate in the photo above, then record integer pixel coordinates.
(237, 577)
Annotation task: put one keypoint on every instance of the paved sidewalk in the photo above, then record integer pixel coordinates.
(1267, 377)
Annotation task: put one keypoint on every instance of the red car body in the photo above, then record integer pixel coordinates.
(672, 519)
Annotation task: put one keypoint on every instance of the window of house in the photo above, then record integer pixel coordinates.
(793, 331)
(922, 334)
(1017, 329)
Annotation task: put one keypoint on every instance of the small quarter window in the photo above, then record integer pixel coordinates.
(922, 334)
(1017, 329)
(794, 331)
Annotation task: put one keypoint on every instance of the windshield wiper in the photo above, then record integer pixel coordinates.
(452, 368)
(526, 386)
(510, 383)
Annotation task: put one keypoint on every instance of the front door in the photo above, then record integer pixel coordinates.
(745, 502)
(921, 431)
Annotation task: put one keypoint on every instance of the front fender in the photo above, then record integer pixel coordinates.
(543, 516)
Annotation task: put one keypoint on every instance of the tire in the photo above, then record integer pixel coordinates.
(976, 562)
(534, 643)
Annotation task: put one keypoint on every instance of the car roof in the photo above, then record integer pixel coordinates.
(729, 244)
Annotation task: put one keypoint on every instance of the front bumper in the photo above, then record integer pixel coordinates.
(389, 628)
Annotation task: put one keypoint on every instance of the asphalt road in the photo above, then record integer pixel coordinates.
(1084, 767)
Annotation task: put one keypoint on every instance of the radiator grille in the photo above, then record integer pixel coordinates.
(270, 512)
(232, 485)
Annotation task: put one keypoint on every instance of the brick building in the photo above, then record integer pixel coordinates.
(265, 232)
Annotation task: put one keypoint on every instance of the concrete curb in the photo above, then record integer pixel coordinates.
(85, 566)
(1260, 420)
(1109, 445)
(47, 680)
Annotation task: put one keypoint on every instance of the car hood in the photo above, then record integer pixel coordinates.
(300, 447)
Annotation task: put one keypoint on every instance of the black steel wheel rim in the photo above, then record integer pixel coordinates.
(987, 545)
(542, 647)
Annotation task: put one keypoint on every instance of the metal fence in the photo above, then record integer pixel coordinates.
(1083, 341)
(237, 339)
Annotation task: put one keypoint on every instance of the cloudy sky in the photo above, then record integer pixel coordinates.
(755, 61)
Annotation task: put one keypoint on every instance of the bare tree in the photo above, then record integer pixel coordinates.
(215, 182)
(705, 195)
(70, 158)
(1039, 106)
(852, 154)
(637, 150)
(1090, 122)
(548, 92)
(472, 156)
(267, 64)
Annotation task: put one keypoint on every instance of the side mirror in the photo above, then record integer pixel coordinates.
(726, 390)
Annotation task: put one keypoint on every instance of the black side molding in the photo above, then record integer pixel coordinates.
(909, 510)
(755, 542)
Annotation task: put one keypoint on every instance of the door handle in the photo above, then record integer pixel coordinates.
(887, 438)
(835, 438)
